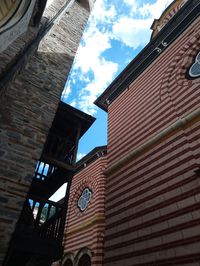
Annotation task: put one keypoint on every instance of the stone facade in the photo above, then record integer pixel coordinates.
(15, 18)
(33, 74)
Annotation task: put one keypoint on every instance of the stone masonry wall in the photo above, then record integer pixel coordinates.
(27, 107)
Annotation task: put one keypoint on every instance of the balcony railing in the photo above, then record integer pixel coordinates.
(60, 148)
(43, 170)
(42, 218)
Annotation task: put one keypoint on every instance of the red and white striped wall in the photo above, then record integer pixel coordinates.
(85, 230)
(153, 195)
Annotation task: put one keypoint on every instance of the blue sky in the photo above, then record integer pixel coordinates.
(116, 31)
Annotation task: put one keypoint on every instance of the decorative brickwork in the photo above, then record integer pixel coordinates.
(178, 68)
(152, 191)
(167, 15)
(85, 229)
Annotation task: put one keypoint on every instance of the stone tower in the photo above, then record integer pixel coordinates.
(37, 48)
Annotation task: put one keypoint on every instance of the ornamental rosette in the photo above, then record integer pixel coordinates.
(194, 70)
(84, 199)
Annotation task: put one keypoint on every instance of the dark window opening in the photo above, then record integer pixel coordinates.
(85, 260)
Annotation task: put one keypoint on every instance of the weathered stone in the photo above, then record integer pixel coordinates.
(2, 153)
(29, 102)
(9, 214)
(28, 178)
(13, 134)
(3, 200)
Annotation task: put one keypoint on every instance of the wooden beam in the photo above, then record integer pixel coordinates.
(76, 144)
(50, 160)
(65, 207)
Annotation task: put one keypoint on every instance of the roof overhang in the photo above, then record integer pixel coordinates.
(70, 117)
(92, 156)
(172, 30)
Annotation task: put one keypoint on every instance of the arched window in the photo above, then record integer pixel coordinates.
(85, 260)
(68, 262)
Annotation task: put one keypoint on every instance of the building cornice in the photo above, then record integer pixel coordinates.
(92, 156)
(172, 30)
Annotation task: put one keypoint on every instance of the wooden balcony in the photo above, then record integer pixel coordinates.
(39, 231)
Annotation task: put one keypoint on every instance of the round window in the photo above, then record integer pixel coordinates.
(194, 70)
(84, 199)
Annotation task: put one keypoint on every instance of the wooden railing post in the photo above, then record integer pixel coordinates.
(65, 207)
(76, 144)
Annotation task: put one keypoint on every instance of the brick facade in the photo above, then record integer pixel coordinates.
(152, 196)
(85, 230)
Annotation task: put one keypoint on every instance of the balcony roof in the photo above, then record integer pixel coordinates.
(68, 117)
(68, 127)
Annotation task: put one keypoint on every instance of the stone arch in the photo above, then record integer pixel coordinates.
(83, 257)
(12, 12)
(68, 260)
(89, 182)
(177, 70)
(85, 260)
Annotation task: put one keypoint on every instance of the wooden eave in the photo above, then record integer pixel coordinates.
(162, 41)
(67, 114)
(66, 124)
(70, 124)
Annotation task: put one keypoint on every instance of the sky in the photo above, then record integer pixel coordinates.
(116, 32)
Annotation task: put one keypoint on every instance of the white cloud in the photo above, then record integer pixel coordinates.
(66, 91)
(94, 44)
(133, 4)
(103, 72)
(134, 31)
(154, 10)
(73, 103)
(80, 156)
(102, 12)
(89, 59)
(130, 2)
(107, 23)
(135, 35)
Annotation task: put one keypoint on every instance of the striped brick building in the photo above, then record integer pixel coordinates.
(152, 203)
(85, 224)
